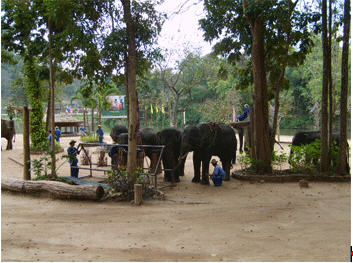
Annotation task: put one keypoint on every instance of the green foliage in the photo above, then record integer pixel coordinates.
(90, 138)
(245, 161)
(44, 147)
(41, 166)
(306, 158)
(278, 159)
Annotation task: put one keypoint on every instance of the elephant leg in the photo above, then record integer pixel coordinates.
(226, 167)
(205, 170)
(197, 163)
(9, 144)
(181, 167)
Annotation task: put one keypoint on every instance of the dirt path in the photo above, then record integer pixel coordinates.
(236, 222)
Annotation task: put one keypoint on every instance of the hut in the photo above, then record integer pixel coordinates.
(68, 125)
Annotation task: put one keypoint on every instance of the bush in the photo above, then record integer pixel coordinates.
(90, 138)
(306, 158)
(120, 182)
(44, 147)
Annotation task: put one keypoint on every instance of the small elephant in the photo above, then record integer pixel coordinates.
(171, 138)
(207, 139)
(8, 132)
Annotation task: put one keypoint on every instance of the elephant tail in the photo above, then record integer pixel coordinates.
(14, 137)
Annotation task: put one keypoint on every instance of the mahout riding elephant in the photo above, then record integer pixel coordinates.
(205, 140)
(117, 129)
(307, 137)
(8, 132)
(171, 138)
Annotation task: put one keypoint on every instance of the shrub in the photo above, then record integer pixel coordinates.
(119, 181)
(306, 158)
(90, 138)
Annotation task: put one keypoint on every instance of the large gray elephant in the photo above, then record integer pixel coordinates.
(8, 132)
(205, 140)
(171, 138)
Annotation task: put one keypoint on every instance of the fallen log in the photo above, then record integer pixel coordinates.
(55, 189)
(11, 159)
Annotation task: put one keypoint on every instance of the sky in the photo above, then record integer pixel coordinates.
(181, 29)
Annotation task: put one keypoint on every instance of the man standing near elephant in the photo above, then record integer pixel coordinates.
(218, 174)
(72, 152)
(100, 133)
(57, 134)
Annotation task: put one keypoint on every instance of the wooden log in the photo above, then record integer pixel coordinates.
(11, 159)
(138, 194)
(55, 189)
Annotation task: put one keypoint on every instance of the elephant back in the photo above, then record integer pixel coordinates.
(149, 136)
(220, 137)
(305, 137)
(171, 138)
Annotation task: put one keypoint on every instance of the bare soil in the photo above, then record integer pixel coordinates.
(239, 221)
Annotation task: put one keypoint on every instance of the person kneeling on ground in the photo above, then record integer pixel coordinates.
(218, 174)
(72, 151)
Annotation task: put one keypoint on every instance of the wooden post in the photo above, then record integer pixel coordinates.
(26, 146)
(138, 194)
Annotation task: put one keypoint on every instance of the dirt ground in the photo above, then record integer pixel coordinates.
(239, 221)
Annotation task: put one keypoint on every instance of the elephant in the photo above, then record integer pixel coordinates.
(117, 129)
(171, 138)
(207, 139)
(148, 137)
(307, 137)
(8, 131)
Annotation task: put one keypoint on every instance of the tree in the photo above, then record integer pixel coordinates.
(27, 24)
(244, 27)
(324, 164)
(129, 47)
(344, 88)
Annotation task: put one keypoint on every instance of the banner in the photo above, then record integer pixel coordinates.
(116, 106)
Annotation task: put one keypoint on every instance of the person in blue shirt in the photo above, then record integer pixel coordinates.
(72, 152)
(243, 116)
(218, 174)
(57, 134)
(49, 140)
(100, 133)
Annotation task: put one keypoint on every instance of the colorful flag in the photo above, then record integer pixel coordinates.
(163, 110)
(151, 109)
(157, 109)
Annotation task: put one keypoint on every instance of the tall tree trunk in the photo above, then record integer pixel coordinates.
(325, 71)
(26, 146)
(52, 96)
(100, 115)
(47, 124)
(84, 118)
(275, 115)
(329, 72)
(92, 120)
(261, 129)
(133, 107)
(342, 159)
